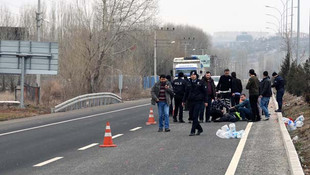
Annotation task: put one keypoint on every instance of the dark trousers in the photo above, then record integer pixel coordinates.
(195, 108)
(190, 111)
(235, 100)
(245, 113)
(178, 108)
(255, 111)
(202, 111)
(216, 114)
(208, 109)
(171, 107)
(279, 98)
(226, 97)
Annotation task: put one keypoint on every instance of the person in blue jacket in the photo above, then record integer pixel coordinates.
(244, 108)
(279, 85)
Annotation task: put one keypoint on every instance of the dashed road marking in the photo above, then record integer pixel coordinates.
(235, 160)
(118, 135)
(71, 120)
(88, 146)
(135, 129)
(47, 162)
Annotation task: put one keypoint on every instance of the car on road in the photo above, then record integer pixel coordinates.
(216, 79)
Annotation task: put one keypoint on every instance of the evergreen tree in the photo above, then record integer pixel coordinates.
(285, 67)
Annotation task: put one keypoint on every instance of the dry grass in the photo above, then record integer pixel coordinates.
(7, 96)
(9, 113)
(294, 107)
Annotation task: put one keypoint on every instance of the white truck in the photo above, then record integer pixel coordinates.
(186, 65)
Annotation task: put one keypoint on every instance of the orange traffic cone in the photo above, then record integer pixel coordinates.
(107, 141)
(151, 120)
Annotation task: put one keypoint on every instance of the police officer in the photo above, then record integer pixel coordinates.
(179, 86)
(196, 94)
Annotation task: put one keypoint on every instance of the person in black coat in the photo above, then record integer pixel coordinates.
(236, 89)
(224, 86)
(196, 94)
(179, 87)
(265, 94)
(211, 94)
(279, 85)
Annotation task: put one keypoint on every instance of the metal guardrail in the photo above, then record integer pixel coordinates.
(87, 100)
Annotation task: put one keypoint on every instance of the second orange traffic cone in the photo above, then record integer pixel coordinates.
(107, 141)
(151, 120)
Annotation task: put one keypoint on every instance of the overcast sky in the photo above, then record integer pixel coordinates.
(216, 15)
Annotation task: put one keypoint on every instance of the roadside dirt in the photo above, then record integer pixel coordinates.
(9, 113)
(293, 108)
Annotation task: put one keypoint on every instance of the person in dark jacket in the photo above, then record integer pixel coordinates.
(217, 108)
(161, 94)
(244, 108)
(179, 87)
(265, 94)
(211, 94)
(196, 94)
(279, 85)
(224, 86)
(236, 89)
(253, 87)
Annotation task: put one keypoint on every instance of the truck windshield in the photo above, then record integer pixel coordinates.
(185, 71)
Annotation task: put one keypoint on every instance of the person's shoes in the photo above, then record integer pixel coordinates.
(175, 120)
(192, 134)
(199, 132)
(200, 121)
(167, 130)
(181, 121)
(189, 121)
(160, 130)
(278, 110)
(208, 121)
(267, 118)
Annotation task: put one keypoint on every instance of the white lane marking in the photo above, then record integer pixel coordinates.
(71, 120)
(235, 160)
(135, 129)
(88, 146)
(118, 135)
(47, 162)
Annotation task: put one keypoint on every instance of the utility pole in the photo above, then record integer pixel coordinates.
(298, 33)
(292, 15)
(155, 46)
(38, 19)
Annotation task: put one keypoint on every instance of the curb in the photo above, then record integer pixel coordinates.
(293, 159)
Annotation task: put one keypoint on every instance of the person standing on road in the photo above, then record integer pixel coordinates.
(236, 89)
(161, 94)
(224, 86)
(211, 94)
(265, 94)
(244, 108)
(253, 87)
(279, 85)
(196, 94)
(179, 87)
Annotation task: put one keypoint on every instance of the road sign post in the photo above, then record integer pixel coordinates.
(120, 84)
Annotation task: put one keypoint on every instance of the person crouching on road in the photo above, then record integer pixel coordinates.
(217, 108)
(196, 94)
(161, 94)
(244, 108)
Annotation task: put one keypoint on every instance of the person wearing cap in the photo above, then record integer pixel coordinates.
(236, 89)
(265, 94)
(224, 86)
(196, 94)
(279, 85)
(253, 87)
(179, 87)
(161, 94)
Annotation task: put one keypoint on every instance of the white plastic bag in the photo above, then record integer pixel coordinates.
(299, 124)
(300, 118)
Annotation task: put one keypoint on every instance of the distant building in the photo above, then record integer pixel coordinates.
(244, 37)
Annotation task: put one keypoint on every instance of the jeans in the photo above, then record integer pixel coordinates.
(163, 112)
(279, 97)
(245, 113)
(264, 105)
(195, 107)
(178, 108)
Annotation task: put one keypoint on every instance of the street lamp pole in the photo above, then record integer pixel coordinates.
(155, 47)
(298, 33)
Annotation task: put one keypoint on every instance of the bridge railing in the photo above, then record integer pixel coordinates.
(87, 100)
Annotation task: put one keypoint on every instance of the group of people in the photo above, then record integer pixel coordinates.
(207, 102)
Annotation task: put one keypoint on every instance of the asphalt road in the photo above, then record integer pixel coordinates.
(57, 137)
